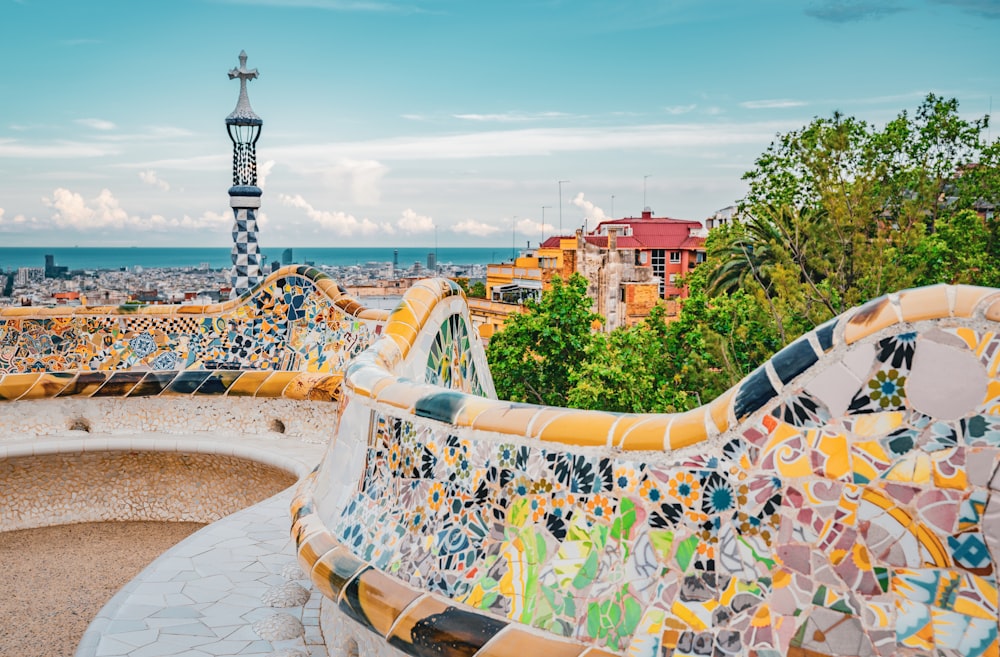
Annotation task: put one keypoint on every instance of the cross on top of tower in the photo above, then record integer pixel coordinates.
(243, 114)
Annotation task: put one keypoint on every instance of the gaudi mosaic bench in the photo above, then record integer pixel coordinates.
(841, 500)
(191, 402)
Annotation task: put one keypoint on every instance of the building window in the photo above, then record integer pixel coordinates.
(700, 257)
(641, 258)
(660, 268)
(675, 257)
(673, 280)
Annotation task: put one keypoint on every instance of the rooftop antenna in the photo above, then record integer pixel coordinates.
(644, 206)
(560, 204)
(543, 223)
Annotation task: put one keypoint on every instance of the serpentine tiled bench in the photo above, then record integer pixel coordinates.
(207, 409)
(841, 500)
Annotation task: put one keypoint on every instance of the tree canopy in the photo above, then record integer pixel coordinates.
(836, 213)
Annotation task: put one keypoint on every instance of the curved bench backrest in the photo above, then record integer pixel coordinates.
(841, 500)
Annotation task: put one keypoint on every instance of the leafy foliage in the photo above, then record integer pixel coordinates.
(533, 358)
(836, 213)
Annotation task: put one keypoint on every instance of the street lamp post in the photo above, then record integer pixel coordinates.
(560, 204)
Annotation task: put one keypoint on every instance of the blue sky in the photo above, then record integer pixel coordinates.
(386, 122)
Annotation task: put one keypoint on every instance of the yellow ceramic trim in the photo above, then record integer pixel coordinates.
(967, 298)
(688, 429)
(585, 428)
(870, 318)
(925, 303)
(643, 432)
(247, 384)
(275, 384)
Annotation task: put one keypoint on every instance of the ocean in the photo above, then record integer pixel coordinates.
(117, 257)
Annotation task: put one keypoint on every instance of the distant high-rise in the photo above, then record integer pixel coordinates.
(286, 257)
(395, 258)
(431, 261)
(244, 127)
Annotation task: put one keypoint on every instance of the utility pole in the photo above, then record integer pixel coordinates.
(513, 240)
(560, 204)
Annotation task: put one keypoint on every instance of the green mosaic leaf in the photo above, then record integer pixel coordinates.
(621, 528)
(685, 551)
(588, 572)
(633, 614)
(593, 620)
(662, 540)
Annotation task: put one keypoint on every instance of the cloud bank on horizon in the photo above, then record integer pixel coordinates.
(439, 120)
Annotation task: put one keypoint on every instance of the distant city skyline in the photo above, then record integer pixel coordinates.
(436, 121)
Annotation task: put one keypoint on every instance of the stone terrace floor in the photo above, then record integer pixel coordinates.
(231, 588)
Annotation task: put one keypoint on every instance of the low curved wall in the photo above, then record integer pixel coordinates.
(148, 412)
(63, 488)
(841, 500)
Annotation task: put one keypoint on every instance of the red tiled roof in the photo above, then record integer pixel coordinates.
(658, 232)
(693, 243)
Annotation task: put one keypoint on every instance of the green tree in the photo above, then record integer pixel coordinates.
(478, 290)
(532, 359)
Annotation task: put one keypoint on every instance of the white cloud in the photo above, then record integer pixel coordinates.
(150, 178)
(475, 228)
(534, 142)
(528, 226)
(341, 223)
(263, 171)
(775, 103)
(96, 124)
(679, 109)
(413, 223)
(509, 117)
(359, 177)
(73, 212)
(55, 150)
(590, 210)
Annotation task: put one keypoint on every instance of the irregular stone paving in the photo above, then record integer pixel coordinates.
(204, 597)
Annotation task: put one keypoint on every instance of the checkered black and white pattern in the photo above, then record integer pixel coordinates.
(246, 272)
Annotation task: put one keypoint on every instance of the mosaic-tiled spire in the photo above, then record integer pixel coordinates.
(244, 126)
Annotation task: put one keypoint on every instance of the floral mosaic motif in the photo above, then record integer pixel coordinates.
(802, 410)
(450, 363)
(803, 534)
(287, 324)
(886, 389)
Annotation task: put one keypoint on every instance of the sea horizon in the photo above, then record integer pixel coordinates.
(96, 257)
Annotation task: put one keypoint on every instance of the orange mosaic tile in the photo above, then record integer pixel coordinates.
(967, 298)
(925, 303)
(15, 385)
(642, 433)
(870, 318)
(513, 419)
(275, 384)
(688, 429)
(516, 641)
(376, 600)
(247, 384)
(585, 428)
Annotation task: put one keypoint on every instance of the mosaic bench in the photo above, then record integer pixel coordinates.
(149, 389)
(841, 500)
(290, 338)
